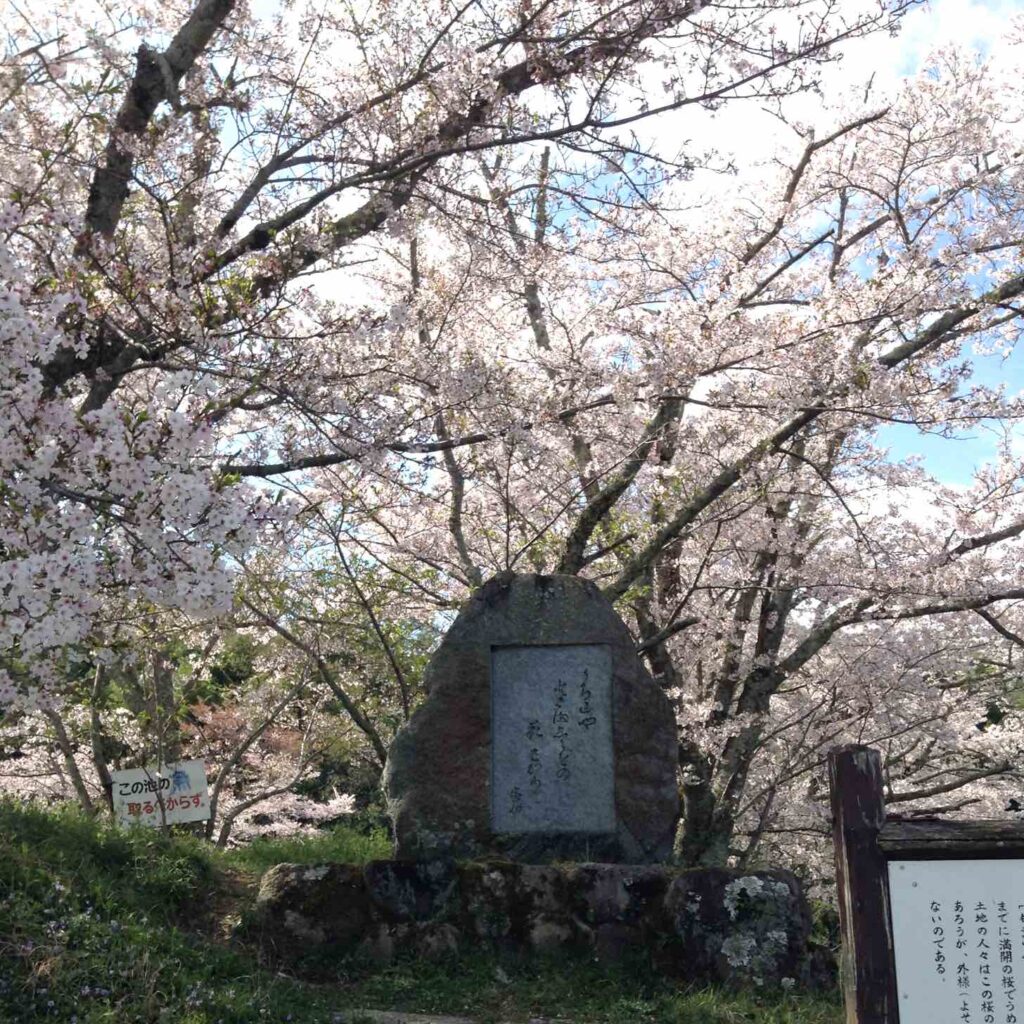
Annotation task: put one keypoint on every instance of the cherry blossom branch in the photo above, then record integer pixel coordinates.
(239, 752)
(666, 632)
(985, 540)
(328, 677)
(725, 479)
(601, 504)
(264, 470)
(304, 760)
(1007, 634)
(948, 787)
(803, 163)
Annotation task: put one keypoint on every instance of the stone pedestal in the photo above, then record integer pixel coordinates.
(705, 926)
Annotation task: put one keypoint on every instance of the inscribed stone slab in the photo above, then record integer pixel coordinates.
(958, 936)
(552, 765)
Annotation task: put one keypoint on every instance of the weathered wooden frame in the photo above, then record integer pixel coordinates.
(865, 841)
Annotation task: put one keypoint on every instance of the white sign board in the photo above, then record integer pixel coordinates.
(172, 793)
(958, 934)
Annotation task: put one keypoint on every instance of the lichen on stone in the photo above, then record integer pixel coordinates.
(754, 889)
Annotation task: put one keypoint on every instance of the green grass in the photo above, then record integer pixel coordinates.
(340, 845)
(570, 989)
(104, 926)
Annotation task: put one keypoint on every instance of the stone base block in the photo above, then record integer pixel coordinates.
(707, 926)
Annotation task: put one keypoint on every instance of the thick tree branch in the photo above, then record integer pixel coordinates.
(668, 631)
(156, 79)
(948, 787)
(1007, 634)
(984, 540)
(269, 469)
(602, 503)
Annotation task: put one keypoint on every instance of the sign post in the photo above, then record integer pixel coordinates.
(858, 814)
(932, 912)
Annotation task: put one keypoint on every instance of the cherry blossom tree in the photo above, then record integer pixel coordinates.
(686, 411)
(320, 318)
(175, 174)
(258, 721)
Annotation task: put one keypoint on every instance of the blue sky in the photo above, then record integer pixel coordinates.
(954, 460)
(979, 24)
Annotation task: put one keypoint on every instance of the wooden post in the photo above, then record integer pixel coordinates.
(858, 814)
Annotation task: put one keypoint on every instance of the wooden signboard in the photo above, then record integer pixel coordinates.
(932, 912)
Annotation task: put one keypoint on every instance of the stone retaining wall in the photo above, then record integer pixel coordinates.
(707, 925)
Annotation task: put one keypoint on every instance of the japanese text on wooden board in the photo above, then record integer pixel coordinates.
(958, 936)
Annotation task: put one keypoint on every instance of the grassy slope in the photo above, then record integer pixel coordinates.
(100, 925)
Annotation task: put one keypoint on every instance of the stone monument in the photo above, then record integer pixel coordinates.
(542, 737)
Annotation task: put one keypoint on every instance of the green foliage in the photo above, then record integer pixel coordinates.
(104, 926)
(994, 715)
(100, 925)
(340, 844)
(343, 767)
(233, 665)
(825, 924)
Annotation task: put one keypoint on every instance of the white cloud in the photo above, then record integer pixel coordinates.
(984, 25)
(749, 135)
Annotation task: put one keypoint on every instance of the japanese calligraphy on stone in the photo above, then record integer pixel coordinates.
(551, 739)
(958, 933)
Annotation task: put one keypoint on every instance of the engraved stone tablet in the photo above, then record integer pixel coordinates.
(958, 936)
(551, 739)
(542, 737)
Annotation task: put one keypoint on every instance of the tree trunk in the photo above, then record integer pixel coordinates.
(167, 733)
(99, 757)
(699, 842)
(67, 750)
